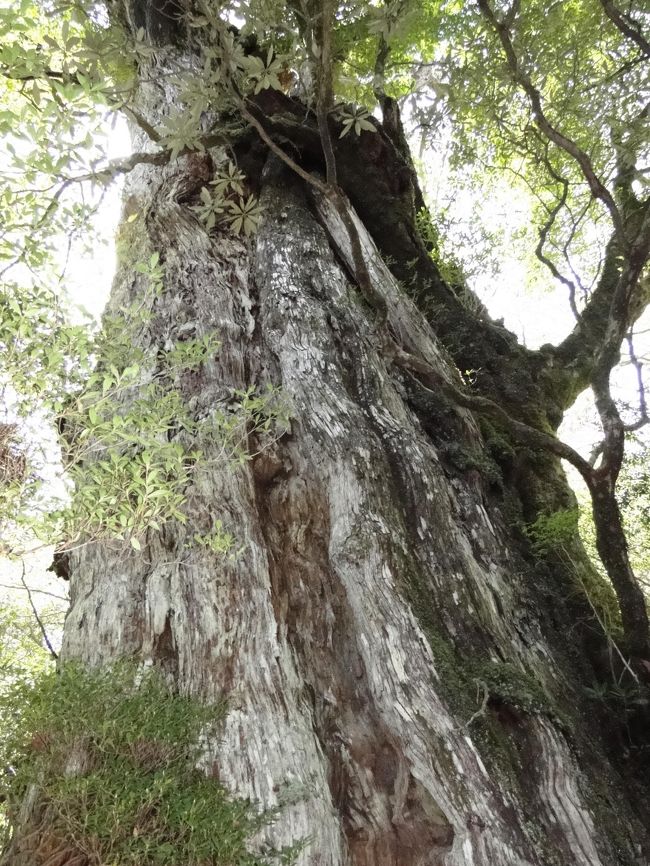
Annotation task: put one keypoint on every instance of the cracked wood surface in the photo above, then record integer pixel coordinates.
(336, 705)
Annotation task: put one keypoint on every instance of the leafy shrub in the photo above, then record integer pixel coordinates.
(113, 755)
(552, 531)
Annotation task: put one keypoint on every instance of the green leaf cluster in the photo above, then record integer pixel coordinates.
(554, 530)
(554, 536)
(227, 202)
(22, 653)
(218, 541)
(113, 757)
(63, 67)
(357, 119)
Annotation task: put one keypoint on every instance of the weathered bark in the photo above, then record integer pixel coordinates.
(395, 672)
(612, 547)
(375, 592)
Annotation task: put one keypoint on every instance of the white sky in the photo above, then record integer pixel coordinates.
(89, 274)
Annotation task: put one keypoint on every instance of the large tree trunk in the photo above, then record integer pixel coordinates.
(378, 599)
(394, 671)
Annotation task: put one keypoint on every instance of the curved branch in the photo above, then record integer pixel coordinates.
(39, 621)
(627, 25)
(592, 349)
(522, 433)
(598, 189)
(543, 236)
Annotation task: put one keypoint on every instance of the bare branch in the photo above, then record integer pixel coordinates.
(622, 70)
(543, 235)
(48, 644)
(109, 172)
(595, 453)
(481, 686)
(626, 156)
(47, 74)
(311, 179)
(512, 13)
(638, 366)
(36, 591)
(379, 76)
(144, 124)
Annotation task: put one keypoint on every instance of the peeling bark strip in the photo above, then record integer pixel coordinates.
(339, 694)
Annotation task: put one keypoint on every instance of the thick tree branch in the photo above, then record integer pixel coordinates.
(618, 300)
(627, 25)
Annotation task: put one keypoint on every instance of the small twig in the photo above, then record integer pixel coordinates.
(638, 366)
(53, 652)
(38, 591)
(543, 235)
(480, 685)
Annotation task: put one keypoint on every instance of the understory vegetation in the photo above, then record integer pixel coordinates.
(114, 756)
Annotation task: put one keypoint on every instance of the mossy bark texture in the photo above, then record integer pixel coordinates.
(339, 703)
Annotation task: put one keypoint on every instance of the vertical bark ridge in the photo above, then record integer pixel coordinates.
(337, 705)
(369, 546)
